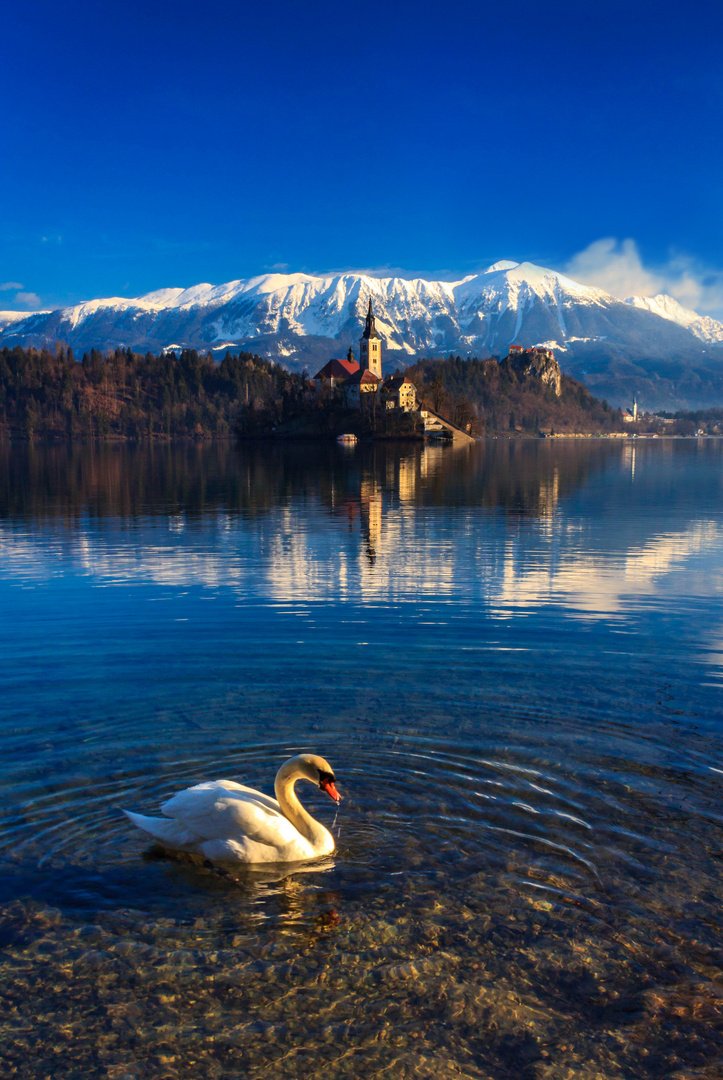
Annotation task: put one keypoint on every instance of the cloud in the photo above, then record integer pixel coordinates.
(28, 300)
(617, 267)
(6, 285)
(614, 266)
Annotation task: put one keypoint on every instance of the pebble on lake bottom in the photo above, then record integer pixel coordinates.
(455, 986)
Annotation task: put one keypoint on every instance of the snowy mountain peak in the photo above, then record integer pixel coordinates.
(667, 307)
(503, 264)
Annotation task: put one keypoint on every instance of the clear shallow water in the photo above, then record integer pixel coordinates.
(512, 657)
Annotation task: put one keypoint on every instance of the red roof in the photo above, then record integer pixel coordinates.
(364, 376)
(337, 369)
(369, 377)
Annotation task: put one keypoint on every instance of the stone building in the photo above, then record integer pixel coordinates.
(399, 392)
(361, 384)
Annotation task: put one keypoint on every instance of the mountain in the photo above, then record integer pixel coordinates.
(618, 348)
(667, 307)
(11, 318)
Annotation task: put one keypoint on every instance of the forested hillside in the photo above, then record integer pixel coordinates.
(123, 394)
(490, 397)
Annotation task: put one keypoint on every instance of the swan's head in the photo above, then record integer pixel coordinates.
(317, 770)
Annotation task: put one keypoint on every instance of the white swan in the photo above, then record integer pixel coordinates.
(226, 821)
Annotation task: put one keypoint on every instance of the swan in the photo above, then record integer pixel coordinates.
(223, 820)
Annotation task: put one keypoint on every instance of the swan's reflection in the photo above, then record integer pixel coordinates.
(241, 875)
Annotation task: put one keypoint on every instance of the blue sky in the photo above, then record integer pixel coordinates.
(148, 145)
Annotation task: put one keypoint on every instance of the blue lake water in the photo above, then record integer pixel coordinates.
(512, 655)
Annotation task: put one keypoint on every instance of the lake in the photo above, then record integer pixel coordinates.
(512, 656)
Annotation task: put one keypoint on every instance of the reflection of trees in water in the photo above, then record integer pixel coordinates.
(100, 480)
(520, 476)
(527, 477)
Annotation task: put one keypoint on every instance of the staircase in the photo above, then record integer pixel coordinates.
(436, 426)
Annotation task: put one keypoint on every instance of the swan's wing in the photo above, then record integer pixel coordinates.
(222, 810)
(194, 796)
(263, 800)
(173, 833)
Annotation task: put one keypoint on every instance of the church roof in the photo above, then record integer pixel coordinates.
(364, 377)
(337, 369)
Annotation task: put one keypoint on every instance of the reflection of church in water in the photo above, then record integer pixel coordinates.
(391, 481)
(389, 476)
(401, 475)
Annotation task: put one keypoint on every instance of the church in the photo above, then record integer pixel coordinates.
(360, 380)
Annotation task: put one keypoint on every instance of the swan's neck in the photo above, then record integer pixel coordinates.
(300, 818)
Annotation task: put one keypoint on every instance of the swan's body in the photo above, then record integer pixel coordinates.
(225, 821)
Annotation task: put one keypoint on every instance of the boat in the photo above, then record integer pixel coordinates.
(348, 439)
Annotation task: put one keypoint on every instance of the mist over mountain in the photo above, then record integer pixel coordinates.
(651, 347)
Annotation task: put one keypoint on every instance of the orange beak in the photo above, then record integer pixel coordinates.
(328, 787)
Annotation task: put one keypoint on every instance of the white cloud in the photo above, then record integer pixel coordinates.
(6, 285)
(616, 266)
(28, 300)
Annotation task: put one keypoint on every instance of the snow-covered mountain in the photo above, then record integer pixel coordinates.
(667, 307)
(302, 320)
(11, 318)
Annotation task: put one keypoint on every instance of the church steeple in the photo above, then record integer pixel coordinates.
(370, 346)
(370, 330)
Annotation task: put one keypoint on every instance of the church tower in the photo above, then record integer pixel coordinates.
(370, 346)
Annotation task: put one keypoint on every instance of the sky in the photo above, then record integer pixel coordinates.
(155, 144)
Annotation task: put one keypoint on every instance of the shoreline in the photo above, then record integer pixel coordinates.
(120, 440)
